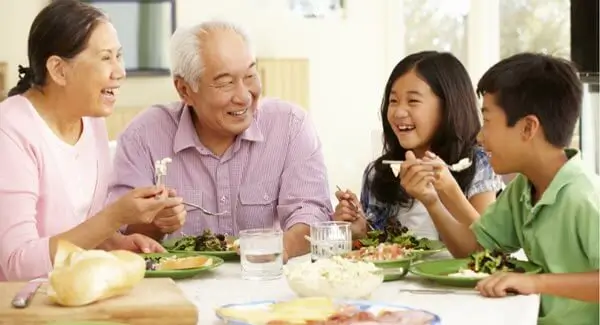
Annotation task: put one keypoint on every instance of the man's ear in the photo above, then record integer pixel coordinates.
(530, 126)
(184, 90)
(56, 68)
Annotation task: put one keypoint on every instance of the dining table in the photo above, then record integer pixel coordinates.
(224, 285)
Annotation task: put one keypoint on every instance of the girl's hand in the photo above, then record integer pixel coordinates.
(417, 179)
(444, 181)
(349, 209)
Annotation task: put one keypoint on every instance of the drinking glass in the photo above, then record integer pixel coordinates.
(330, 238)
(261, 254)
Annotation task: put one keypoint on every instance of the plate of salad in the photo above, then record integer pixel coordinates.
(208, 243)
(467, 272)
(385, 256)
(401, 236)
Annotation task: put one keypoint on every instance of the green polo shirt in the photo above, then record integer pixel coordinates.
(558, 233)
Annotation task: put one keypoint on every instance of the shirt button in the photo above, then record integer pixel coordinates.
(266, 197)
(223, 199)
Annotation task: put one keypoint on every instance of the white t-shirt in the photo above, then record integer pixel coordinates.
(79, 172)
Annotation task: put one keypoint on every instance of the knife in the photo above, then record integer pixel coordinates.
(23, 297)
(439, 291)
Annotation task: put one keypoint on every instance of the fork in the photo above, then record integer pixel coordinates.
(197, 207)
(357, 208)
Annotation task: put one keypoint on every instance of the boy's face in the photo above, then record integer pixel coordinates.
(503, 144)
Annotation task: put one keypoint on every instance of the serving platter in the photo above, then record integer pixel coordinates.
(362, 305)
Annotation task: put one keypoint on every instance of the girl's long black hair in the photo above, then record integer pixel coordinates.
(455, 137)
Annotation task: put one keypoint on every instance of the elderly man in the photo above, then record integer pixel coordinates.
(258, 164)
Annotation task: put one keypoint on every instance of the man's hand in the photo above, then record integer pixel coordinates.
(294, 243)
(172, 217)
(501, 284)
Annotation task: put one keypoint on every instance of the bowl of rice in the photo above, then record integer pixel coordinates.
(334, 277)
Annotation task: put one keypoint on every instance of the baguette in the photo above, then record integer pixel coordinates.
(182, 263)
(81, 277)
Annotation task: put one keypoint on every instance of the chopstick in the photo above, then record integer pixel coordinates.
(391, 162)
(357, 208)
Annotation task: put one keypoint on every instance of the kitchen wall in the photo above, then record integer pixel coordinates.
(349, 62)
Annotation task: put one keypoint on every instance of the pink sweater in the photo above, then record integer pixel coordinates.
(34, 204)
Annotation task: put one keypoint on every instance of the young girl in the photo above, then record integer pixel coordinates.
(429, 113)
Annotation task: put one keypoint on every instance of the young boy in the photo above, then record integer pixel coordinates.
(531, 103)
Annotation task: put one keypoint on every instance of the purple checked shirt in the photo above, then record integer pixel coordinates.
(273, 175)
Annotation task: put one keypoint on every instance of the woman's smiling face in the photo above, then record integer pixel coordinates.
(414, 112)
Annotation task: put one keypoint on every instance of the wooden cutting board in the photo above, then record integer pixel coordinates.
(152, 301)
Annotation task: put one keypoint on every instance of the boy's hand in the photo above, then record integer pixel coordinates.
(503, 283)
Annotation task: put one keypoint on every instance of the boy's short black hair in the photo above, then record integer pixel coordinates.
(537, 84)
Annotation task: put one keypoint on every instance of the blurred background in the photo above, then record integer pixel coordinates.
(333, 56)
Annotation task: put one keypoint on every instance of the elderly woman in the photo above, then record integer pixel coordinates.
(54, 145)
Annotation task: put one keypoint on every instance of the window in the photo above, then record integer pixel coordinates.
(145, 28)
(436, 25)
(535, 26)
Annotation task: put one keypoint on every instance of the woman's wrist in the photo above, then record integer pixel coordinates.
(112, 243)
(111, 219)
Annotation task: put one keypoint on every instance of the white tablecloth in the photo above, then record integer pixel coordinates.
(225, 286)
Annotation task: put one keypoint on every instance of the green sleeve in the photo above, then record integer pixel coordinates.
(495, 229)
(587, 225)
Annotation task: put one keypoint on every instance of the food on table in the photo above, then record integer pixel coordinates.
(334, 277)
(380, 253)
(81, 277)
(393, 234)
(163, 263)
(323, 311)
(485, 263)
(206, 242)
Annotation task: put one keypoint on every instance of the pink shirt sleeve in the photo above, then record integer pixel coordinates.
(304, 194)
(23, 254)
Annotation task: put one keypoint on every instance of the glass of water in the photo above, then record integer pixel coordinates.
(330, 238)
(261, 252)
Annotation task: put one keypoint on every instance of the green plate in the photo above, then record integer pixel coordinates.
(437, 246)
(402, 265)
(182, 274)
(438, 270)
(225, 255)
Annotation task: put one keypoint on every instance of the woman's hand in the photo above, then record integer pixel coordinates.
(139, 243)
(417, 179)
(140, 205)
(172, 217)
(444, 181)
(349, 209)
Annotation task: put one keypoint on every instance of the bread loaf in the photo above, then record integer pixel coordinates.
(81, 277)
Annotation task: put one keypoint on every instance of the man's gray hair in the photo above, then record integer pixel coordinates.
(186, 48)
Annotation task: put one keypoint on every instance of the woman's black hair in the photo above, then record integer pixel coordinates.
(456, 135)
(62, 28)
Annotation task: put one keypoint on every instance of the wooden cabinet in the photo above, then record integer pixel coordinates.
(119, 119)
(288, 79)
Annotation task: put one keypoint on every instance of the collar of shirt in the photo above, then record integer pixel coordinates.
(565, 175)
(186, 136)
